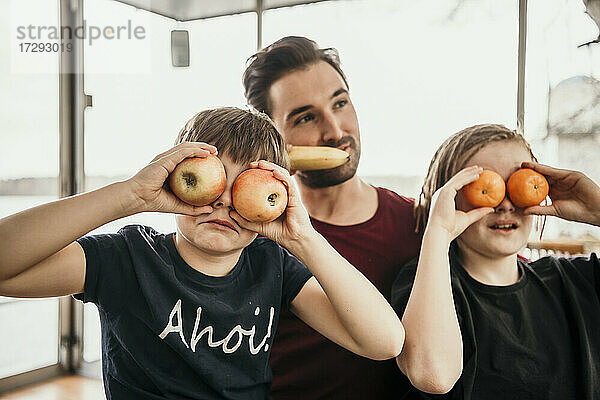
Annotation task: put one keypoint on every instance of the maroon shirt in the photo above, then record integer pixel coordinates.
(305, 364)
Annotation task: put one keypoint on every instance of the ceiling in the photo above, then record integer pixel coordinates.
(188, 10)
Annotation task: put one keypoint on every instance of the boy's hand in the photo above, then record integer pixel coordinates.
(149, 185)
(443, 213)
(294, 224)
(575, 197)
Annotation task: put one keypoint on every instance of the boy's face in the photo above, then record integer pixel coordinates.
(215, 233)
(312, 107)
(485, 236)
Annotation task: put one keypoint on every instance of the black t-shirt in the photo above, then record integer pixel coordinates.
(171, 332)
(538, 338)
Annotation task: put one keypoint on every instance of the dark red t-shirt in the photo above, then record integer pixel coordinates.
(305, 364)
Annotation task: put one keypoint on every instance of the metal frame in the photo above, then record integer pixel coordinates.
(72, 103)
(521, 66)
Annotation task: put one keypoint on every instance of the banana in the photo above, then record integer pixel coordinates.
(308, 158)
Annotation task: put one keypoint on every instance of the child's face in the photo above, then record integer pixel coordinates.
(217, 232)
(485, 237)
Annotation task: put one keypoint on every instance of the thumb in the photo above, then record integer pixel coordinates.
(478, 213)
(244, 223)
(540, 210)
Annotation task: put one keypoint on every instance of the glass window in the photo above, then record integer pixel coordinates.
(28, 167)
(141, 101)
(416, 73)
(562, 99)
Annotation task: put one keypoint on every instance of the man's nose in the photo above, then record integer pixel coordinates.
(505, 206)
(331, 128)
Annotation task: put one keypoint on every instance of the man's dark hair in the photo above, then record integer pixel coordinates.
(282, 57)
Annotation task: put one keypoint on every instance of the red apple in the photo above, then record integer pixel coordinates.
(199, 180)
(258, 196)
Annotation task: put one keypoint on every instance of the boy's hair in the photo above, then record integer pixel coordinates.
(282, 57)
(244, 135)
(452, 156)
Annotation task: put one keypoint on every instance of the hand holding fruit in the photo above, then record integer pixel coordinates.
(443, 213)
(574, 196)
(199, 180)
(148, 185)
(292, 226)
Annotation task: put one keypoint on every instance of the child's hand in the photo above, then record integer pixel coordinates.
(443, 213)
(575, 197)
(149, 185)
(294, 224)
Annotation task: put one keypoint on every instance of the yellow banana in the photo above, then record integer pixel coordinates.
(308, 158)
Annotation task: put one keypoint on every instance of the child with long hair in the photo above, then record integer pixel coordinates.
(481, 322)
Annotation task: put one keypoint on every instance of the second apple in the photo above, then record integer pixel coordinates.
(258, 196)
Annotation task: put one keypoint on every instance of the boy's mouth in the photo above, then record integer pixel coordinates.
(222, 222)
(504, 226)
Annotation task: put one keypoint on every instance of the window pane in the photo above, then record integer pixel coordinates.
(417, 73)
(562, 108)
(141, 101)
(29, 335)
(28, 167)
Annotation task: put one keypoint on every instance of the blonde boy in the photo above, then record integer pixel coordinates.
(191, 314)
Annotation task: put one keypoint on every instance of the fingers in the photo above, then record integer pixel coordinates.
(183, 208)
(170, 160)
(478, 213)
(546, 169)
(195, 149)
(464, 177)
(283, 175)
(244, 223)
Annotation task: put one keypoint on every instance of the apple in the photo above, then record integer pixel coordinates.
(198, 180)
(258, 196)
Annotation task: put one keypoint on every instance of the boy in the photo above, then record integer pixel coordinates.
(191, 314)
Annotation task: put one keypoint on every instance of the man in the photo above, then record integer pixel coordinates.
(305, 92)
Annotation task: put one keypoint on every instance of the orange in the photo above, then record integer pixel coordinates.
(527, 188)
(487, 191)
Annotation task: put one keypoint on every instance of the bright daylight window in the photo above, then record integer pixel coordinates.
(562, 99)
(417, 73)
(141, 101)
(28, 172)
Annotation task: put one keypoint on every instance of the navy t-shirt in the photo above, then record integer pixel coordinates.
(171, 332)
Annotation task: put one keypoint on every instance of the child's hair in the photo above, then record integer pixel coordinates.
(244, 135)
(452, 156)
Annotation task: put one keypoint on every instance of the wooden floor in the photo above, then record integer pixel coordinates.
(72, 387)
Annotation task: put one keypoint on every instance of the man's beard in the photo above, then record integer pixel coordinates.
(330, 177)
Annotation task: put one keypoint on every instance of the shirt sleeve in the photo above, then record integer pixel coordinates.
(589, 267)
(295, 275)
(108, 267)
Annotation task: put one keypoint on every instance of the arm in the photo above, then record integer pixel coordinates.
(40, 257)
(575, 197)
(338, 301)
(432, 355)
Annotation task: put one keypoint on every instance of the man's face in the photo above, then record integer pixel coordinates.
(217, 232)
(312, 107)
